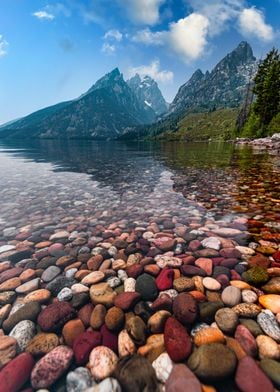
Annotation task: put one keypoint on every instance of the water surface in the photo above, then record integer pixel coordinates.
(52, 182)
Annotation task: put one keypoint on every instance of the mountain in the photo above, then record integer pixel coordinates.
(224, 86)
(107, 110)
(146, 89)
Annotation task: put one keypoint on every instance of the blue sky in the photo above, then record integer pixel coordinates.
(52, 51)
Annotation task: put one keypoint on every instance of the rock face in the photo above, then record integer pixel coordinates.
(147, 91)
(224, 86)
(107, 110)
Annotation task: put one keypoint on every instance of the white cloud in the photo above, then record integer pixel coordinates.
(108, 48)
(252, 23)
(188, 36)
(113, 35)
(152, 70)
(149, 37)
(43, 15)
(3, 46)
(143, 11)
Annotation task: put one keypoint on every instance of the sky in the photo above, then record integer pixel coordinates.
(53, 51)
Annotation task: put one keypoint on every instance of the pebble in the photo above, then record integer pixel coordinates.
(28, 311)
(203, 362)
(71, 330)
(157, 321)
(65, 294)
(163, 366)
(211, 284)
(231, 296)
(42, 344)
(176, 340)
(267, 347)
(269, 324)
(41, 296)
(54, 316)
(246, 340)
(185, 308)
(247, 310)
(108, 385)
(208, 335)
(102, 362)
(23, 332)
(227, 320)
(126, 345)
(8, 349)
(16, 373)
(49, 368)
(102, 293)
(129, 285)
(272, 369)
(78, 380)
(249, 297)
(146, 287)
(212, 243)
(28, 287)
(153, 348)
(182, 379)
(257, 380)
(271, 302)
(83, 345)
(114, 319)
(50, 273)
(93, 277)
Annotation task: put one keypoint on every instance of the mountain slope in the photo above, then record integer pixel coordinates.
(224, 86)
(147, 91)
(108, 109)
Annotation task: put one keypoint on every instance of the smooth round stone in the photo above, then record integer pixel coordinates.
(83, 345)
(136, 374)
(252, 325)
(126, 345)
(7, 297)
(16, 373)
(244, 250)
(42, 344)
(208, 335)
(56, 285)
(176, 340)
(185, 308)
(71, 330)
(78, 380)
(163, 366)
(49, 368)
(93, 277)
(41, 296)
(28, 287)
(157, 321)
(164, 243)
(272, 286)
(212, 243)
(211, 284)
(207, 310)
(50, 273)
(146, 287)
(205, 264)
(249, 296)
(182, 379)
(102, 293)
(183, 284)
(114, 319)
(102, 362)
(114, 282)
(247, 310)
(203, 362)
(231, 296)
(59, 235)
(129, 285)
(136, 328)
(8, 349)
(23, 332)
(54, 316)
(227, 232)
(71, 272)
(65, 294)
(267, 347)
(271, 302)
(272, 369)
(28, 311)
(227, 320)
(108, 385)
(153, 348)
(127, 300)
(246, 340)
(250, 378)
(79, 288)
(269, 324)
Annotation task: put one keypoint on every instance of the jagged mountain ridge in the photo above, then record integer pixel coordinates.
(224, 86)
(146, 89)
(107, 110)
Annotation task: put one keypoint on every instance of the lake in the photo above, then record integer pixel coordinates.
(49, 182)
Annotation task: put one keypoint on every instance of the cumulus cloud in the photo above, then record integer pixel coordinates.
(142, 11)
(153, 70)
(188, 36)
(3, 46)
(148, 37)
(108, 48)
(252, 23)
(43, 15)
(113, 35)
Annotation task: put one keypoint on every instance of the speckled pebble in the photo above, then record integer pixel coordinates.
(23, 332)
(65, 294)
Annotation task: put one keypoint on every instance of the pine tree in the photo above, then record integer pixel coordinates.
(267, 88)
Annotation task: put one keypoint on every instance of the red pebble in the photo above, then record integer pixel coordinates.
(134, 270)
(165, 279)
(246, 340)
(84, 343)
(127, 300)
(14, 375)
(276, 256)
(176, 340)
(109, 339)
(250, 378)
